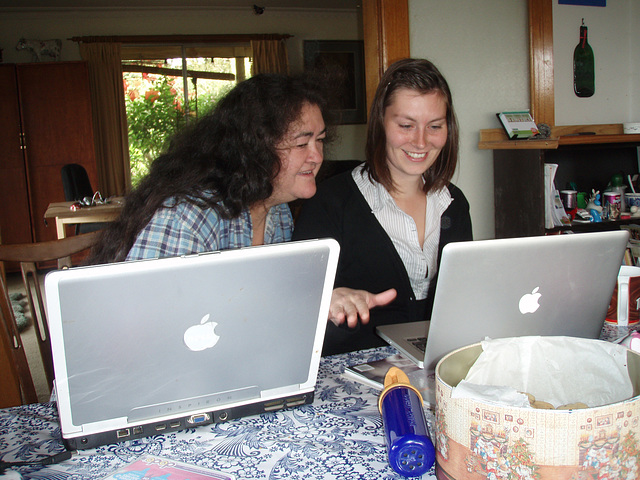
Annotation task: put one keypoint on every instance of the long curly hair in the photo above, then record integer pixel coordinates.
(422, 76)
(226, 161)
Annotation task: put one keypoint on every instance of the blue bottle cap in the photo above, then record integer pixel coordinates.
(413, 456)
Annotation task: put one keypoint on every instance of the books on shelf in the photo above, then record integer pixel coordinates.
(519, 125)
(373, 373)
(632, 254)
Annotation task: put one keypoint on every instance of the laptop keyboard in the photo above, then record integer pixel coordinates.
(419, 342)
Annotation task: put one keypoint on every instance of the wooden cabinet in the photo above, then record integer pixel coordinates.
(45, 123)
(588, 160)
(15, 219)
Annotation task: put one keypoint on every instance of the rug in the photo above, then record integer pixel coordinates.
(19, 303)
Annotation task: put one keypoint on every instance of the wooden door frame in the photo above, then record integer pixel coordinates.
(386, 38)
(541, 61)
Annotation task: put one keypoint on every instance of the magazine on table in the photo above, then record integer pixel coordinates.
(373, 373)
(151, 466)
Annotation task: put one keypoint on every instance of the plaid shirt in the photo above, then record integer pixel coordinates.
(185, 228)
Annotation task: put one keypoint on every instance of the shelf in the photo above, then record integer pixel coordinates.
(599, 139)
(587, 160)
(496, 138)
(594, 226)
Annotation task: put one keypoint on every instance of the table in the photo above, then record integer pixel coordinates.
(340, 435)
(63, 214)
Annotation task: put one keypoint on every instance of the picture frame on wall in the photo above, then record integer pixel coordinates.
(344, 61)
(586, 3)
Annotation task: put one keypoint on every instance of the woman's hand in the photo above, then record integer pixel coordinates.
(348, 304)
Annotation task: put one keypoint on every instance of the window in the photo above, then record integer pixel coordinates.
(168, 86)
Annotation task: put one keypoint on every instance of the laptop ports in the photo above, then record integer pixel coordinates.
(123, 432)
(273, 406)
(296, 401)
(198, 419)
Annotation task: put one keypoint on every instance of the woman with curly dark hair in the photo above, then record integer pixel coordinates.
(225, 182)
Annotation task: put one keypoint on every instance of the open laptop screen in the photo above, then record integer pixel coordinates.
(139, 341)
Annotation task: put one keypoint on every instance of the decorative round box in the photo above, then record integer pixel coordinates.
(476, 439)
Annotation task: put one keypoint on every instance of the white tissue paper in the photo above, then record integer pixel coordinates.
(557, 370)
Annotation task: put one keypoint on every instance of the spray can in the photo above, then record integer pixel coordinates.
(409, 448)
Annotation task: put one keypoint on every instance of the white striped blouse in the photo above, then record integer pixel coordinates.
(419, 261)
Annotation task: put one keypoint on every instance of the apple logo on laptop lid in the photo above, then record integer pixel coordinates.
(201, 336)
(529, 301)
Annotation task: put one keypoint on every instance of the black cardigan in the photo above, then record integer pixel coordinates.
(368, 258)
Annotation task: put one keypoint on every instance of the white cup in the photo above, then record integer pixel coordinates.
(621, 190)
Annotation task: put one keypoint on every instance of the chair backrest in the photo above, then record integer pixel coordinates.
(75, 182)
(28, 256)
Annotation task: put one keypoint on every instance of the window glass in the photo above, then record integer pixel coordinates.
(167, 87)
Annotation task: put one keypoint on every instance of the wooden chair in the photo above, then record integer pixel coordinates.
(28, 256)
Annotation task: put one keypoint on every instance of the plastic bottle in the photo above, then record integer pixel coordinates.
(409, 448)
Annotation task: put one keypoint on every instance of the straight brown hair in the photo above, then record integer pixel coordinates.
(421, 76)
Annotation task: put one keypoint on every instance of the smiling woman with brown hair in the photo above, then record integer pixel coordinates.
(393, 215)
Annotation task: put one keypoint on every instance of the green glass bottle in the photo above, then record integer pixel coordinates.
(583, 66)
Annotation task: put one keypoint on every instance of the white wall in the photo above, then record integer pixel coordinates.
(481, 47)
(634, 60)
(303, 24)
(614, 37)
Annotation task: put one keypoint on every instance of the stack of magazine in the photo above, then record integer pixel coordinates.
(518, 125)
(373, 373)
(554, 213)
(632, 254)
(151, 466)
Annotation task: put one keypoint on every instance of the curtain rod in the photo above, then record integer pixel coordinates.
(179, 38)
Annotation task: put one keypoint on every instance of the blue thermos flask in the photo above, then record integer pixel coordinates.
(409, 448)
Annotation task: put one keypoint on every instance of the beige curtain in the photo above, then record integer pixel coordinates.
(269, 56)
(109, 116)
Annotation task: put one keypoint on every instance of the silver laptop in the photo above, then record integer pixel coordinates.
(546, 285)
(153, 346)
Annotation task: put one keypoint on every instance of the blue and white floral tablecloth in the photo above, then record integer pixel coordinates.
(339, 436)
